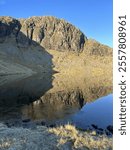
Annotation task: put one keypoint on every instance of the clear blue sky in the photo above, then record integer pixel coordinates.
(93, 17)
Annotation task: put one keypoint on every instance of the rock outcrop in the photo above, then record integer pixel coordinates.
(26, 41)
(94, 48)
(53, 33)
(9, 27)
(49, 32)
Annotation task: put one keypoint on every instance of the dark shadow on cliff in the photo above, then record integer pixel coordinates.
(29, 89)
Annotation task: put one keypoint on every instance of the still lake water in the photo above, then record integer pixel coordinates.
(99, 112)
(23, 98)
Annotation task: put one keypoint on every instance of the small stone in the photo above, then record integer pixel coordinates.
(52, 125)
(107, 133)
(26, 120)
(43, 123)
(110, 128)
(94, 126)
(99, 132)
(100, 129)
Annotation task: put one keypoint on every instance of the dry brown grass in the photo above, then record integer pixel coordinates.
(81, 139)
(88, 73)
(59, 138)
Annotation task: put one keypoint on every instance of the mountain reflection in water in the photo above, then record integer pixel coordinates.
(48, 98)
(22, 98)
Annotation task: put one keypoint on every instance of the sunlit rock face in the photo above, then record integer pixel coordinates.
(53, 33)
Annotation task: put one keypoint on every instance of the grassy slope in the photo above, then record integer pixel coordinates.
(88, 73)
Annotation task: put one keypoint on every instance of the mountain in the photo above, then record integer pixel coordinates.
(49, 32)
(30, 45)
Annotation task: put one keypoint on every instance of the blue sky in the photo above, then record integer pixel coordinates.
(93, 17)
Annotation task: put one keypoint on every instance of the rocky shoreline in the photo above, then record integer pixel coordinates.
(50, 138)
(29, 124)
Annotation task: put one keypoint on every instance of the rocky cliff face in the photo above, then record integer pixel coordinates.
(26, 42)
(53, 33)
(9, 27)
(94, 48)
(49, 32)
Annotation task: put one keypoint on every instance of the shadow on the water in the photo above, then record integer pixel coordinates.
(25, 91)
(23, 88)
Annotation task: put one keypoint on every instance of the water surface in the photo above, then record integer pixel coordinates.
(99, 113)
(43, 97)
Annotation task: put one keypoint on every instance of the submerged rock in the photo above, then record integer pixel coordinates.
(94, 126)
(110, 128)
(26, 120)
